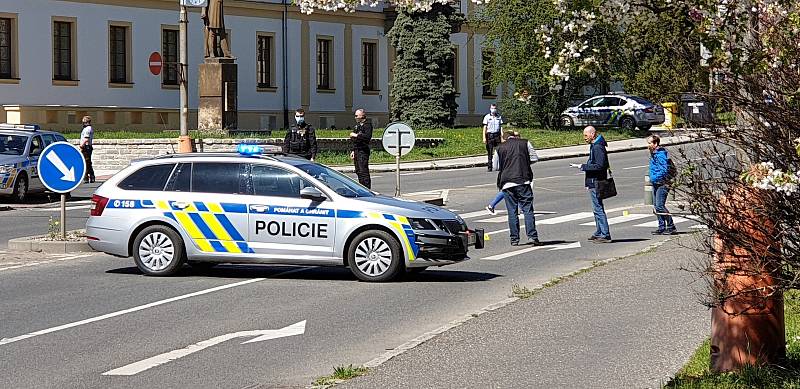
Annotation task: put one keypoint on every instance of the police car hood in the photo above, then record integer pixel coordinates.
(407, 208)
(10, 159)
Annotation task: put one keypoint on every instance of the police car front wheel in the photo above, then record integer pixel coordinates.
(375, 256)
(158, 251)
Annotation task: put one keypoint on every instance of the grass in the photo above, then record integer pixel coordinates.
(340, 373)
(696, 374)
(459, 142)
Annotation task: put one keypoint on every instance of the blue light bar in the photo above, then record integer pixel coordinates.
(249, 149)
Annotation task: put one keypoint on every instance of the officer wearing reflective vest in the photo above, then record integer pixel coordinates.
(301, 139)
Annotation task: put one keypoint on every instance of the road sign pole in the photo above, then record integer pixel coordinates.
(63, 216)
(184, 142)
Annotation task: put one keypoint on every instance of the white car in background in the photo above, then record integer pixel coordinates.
(621, 111)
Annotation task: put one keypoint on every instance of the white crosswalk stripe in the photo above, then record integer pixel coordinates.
(565, 218)
(622, 219)
(654, 223)
(503, 219)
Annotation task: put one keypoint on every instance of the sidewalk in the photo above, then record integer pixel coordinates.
(632, 323)
(467, 162)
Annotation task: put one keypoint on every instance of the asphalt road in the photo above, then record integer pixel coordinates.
(64, 323)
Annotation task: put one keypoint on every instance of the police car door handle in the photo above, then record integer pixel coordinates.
(258, 208)
(181, 205)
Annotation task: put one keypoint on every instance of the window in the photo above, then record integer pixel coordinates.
(272, 181)
(169, 51)
(223, 178)
(612, 102)
(149, 178)
(368, 52)
(181, 180)
(487, 61)
(36, 146)
(324, 64)
(6, 48)
(118, 54)
(62, 50)
(264, 61)
(49, 138)
(454, 68)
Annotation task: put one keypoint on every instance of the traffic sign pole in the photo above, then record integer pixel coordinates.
(61, 169)
(398, 147)
(63, 216)
(397, 161)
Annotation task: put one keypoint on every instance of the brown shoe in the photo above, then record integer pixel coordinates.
(602, 240)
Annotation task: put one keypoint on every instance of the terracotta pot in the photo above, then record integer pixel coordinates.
(748, 327)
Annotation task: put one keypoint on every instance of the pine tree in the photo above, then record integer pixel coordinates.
(423, 94)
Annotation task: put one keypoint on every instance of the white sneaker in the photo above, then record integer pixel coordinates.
(490, 209)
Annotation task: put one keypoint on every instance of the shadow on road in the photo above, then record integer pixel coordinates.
(320, 273)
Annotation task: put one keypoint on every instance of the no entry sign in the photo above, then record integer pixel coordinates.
(155, 63)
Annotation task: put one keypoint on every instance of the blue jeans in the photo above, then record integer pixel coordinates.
(660, 192)
(497, 199)
(600, 219)
(520, 196)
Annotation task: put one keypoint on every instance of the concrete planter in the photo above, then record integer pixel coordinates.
(35, 244)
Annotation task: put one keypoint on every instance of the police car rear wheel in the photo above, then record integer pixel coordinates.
(566, 122)
(158, 251)
(375, 256)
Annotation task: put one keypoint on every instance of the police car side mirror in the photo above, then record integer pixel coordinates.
(311, 193)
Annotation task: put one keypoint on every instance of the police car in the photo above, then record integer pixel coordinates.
(624, 111)
(207, 208)
(20, 147)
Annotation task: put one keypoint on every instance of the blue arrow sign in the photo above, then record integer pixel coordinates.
(61, 167)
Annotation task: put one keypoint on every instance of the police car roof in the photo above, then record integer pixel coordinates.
(19, 127)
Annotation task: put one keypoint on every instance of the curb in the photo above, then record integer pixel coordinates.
(29, 243)
(433, 165)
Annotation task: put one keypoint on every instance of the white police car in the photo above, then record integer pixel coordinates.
(230, 208)
(20, 147)
(623, 111)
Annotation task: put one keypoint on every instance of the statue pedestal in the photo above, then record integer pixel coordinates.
(217, 87)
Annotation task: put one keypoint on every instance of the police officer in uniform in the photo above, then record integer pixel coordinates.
(301, 139)
(361, 137)
(492, 123)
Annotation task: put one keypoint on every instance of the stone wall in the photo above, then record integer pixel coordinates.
(115, 154)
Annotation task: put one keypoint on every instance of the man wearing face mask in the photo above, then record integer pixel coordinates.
(361, 137)
(492, 123)
(87, 139)
(301, 139)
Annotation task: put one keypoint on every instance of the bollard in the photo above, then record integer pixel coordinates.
(648, 191)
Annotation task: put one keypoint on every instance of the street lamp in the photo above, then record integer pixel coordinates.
(185, 141)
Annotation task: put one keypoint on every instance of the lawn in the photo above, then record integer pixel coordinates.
(786, 375)
(458, 142)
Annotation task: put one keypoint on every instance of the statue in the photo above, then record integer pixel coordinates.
(216, 37)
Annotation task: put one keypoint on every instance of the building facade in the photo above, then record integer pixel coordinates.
(60, 60)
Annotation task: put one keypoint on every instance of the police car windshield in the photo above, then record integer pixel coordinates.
(338, 182)
(12, 144)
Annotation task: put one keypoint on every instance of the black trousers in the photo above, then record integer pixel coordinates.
(492, 141)
(87, 156)
(361, 160)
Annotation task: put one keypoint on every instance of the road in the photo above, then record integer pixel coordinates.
(66, 322)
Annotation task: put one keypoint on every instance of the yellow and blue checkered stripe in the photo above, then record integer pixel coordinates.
(399, 223)
(208, 226)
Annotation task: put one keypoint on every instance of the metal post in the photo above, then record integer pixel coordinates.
(648, 191)
(285, 64)
(184, 142)
(63, 216)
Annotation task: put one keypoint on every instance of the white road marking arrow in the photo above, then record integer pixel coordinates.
(68, 174)
(137, 367)
(573, 245)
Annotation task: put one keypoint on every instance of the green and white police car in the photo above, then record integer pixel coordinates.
(205, 208)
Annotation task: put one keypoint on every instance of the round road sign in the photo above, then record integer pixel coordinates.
(155, 63)
(398, 139)
(61, 167)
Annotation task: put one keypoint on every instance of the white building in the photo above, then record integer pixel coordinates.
(60, 60)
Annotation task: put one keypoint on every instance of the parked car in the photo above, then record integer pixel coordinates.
(623, 111)
(20, 147)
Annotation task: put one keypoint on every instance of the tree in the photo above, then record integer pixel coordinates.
(423, 94)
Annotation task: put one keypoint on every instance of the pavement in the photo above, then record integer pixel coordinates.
(632, 323)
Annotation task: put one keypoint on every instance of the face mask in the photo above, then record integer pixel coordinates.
(300, 119)
(493, 111)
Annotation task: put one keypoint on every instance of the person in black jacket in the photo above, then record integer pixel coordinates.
(512, 160)
(596, 168)
(301, 139)
(360, 138)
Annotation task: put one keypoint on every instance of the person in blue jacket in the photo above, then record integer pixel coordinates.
(659, 178)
